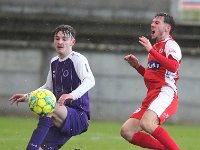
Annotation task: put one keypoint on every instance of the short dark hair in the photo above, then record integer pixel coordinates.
(167, 19)
(67, 29)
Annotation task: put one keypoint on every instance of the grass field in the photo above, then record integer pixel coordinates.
(15, 133)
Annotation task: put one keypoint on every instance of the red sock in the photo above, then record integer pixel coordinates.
(146, 141)
(161, 135)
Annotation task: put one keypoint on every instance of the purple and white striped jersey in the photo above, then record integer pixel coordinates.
(71, 75)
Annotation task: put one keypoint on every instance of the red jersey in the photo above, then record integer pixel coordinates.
(156, 75)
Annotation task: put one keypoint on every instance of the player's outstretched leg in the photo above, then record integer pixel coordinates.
(54, 139)
(132, 132)
(162, 135)
(39, 133)
(145, 140)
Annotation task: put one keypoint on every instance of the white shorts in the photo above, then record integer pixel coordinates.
(164, 102)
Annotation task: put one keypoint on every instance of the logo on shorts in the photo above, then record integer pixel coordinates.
(137, 110)
(165, 115)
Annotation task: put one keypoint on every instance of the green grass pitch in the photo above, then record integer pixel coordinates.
(15, 133)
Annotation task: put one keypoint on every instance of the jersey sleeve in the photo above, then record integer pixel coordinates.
(169, 63)
(48, 85)
(173, 49)
(141, 70)
(85, 75)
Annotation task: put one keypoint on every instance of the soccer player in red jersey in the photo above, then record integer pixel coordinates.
(143, 128)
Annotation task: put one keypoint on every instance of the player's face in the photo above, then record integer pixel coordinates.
(159, 29)
(63, 43)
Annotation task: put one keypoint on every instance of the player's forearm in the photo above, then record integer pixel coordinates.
(45, 86)
(85, 86)
(140, 70)
(170, 64)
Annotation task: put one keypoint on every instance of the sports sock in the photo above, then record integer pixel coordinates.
(39, 133)
(146, 141)
(161, 135)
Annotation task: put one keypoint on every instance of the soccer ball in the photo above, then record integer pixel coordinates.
(42, 102)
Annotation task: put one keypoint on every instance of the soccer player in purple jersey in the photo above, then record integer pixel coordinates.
(69, 78)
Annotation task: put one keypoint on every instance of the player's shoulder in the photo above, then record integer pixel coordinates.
(55, 58)
(172, 43)
(174, 49)
(76, 56)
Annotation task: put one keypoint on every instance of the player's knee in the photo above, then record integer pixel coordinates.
(146, 125)
(123, 132)
(126, 133)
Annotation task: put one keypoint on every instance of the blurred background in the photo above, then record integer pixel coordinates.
(107, 30)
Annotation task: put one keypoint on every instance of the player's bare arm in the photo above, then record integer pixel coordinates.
(17, 98)
(132, 60)
(145, 42)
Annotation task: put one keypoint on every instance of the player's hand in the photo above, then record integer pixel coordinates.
(145, 42)
(132, 60)
(17, 98)
(63, 98)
